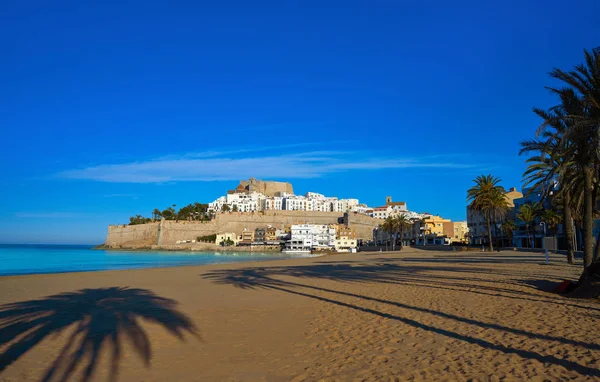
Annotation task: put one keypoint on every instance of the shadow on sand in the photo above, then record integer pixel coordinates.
(269, 278)
(104, 317)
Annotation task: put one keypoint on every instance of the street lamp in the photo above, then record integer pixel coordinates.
(544, 241)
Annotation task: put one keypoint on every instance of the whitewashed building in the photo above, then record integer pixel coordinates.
(301, 238)
(294, 203)
(306, 237)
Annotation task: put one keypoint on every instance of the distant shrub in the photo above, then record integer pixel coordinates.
(210, 238)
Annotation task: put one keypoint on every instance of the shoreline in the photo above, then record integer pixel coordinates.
(256, 260)
(408, 315)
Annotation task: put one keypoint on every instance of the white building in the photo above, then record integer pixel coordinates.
(217, 205)
(245, 202)
(306, 237)
(311, 201)
(301, 238)
(294, 203)
(381, 212)
(323, 236)
(272, 203)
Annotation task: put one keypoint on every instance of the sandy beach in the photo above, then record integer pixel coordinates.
(410, 315)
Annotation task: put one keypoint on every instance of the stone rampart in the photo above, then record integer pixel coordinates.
(168, 232)
(142, 234)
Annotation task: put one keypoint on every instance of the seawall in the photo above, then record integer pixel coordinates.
(168, 232)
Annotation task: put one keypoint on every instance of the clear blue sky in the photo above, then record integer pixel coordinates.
(112, 108)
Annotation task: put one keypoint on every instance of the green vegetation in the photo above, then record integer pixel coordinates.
(138, 219)
(193, 212)
(394, 226)
(210, 238)
(566, 151)
(488, 198)
(227, 243)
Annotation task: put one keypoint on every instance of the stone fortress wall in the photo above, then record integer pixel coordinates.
(168, 232)
(265, 187)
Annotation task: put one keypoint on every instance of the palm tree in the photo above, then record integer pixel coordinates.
(552, 167)
(527, 215)
(508, 228)
(552, 220)
(498, 206)
(482, 197)
(402, 224)
(538, 209)
(156, 214)
(389, 225)
(580, 106)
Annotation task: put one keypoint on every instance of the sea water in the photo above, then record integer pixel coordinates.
(32, 259)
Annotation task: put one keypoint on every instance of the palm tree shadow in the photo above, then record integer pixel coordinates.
(103, 317)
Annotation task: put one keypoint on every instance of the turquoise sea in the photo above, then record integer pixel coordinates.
(32, 259)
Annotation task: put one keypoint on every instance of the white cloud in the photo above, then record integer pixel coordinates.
(221, 166)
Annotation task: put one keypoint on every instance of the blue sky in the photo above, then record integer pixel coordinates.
(110, 109)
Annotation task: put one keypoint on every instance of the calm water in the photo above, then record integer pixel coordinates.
(28, 259)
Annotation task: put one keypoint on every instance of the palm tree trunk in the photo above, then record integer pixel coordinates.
(568, 225)
(588, 219)
(528, 235)
(597, 251)
(490, 234)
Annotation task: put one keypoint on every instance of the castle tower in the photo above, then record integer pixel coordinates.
(388, 200)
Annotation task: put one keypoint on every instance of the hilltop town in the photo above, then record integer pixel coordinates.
(263, 215)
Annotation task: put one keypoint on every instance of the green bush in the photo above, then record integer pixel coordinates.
(210, 238)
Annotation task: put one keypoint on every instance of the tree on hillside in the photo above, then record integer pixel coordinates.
(482, 197)
(225, 208)
(234, 208)
(169, 214)
(156, 214)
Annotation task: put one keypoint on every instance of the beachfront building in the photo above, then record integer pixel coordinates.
(306, 237)
(477, 223)
(222, 238)
(430, 230)
(301, 238)
(247, 236)
(323, 236)
(457, 232)
(346, 239)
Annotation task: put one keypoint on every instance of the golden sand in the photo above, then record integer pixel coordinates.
(414, 315)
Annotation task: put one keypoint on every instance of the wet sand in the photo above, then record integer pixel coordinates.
(411, 315)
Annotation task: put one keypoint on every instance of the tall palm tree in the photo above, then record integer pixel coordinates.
(481, 198)
(390, 226)
(580, 106)
(552, 166)
(552, 220)
(402, 224)
(498, 208)
(527, 215)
